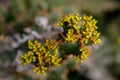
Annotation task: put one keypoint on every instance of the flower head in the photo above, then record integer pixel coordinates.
(80, 30)
(42, 56)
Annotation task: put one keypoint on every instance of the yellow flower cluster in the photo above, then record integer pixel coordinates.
(70, 23)
(85, 53)
(72, 36)
(88, 28)
(82, 30)
(42, 56)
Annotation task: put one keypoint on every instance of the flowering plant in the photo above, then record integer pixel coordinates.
(78, 33)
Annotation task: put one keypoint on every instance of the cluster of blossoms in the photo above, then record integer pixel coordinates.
(79, 32)
(41, 55)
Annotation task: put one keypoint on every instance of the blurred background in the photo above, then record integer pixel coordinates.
(21, 20)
